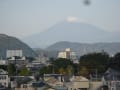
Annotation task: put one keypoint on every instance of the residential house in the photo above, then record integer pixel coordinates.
(78, 83)
(4, 79)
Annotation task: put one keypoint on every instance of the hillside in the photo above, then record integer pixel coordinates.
(12, 43)
(72, 32)
(84, 48)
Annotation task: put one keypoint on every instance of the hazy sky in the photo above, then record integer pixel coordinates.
(22, 18)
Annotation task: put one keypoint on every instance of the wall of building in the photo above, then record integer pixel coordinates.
(28, 88)
(4, 80)
(94, 85)
(11, 53)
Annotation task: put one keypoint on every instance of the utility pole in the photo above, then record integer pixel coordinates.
(53, 71)
(96, 74)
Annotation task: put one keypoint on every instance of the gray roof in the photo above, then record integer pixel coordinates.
(112, 74)
(2, 72)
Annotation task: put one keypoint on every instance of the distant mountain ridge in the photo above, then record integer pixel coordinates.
(84, 48)
(72, 32)
(12, 43)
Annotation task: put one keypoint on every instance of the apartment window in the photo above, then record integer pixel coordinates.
(5, 84)
(2, 77)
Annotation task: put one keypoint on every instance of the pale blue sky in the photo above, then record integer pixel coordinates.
(22, 18)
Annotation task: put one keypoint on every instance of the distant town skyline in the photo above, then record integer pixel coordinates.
(22, 18)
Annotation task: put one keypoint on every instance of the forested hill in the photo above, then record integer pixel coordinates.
(84, 48)
(12, 43)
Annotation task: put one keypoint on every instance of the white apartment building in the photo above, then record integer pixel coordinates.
(67, 54)
(12, 53)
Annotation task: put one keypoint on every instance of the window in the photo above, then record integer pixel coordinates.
(5, 84)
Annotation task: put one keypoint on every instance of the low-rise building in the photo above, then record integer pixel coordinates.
(3, 62)
(54, 79)
(34, 66)
(112, 78)
(114, 85)
(19, 61)
(78, 83)
(4, 79)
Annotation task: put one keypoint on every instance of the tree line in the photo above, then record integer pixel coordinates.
(88, 64)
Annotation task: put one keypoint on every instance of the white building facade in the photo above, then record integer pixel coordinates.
(67, 54)
(12, 53)
(4, 79)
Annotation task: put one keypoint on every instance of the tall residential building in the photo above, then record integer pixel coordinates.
(67, 54)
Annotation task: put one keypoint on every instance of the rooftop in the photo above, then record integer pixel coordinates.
(3, 71)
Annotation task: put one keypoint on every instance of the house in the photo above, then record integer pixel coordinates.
(78, 83)
(97, 85)
(19, 61)
(4, 79)
(34, 85)
(40, 85)
(34, 66)
(43, 59)
(112, 78)
(22, 82)
(54, 79)
(3, 62)
(112, 74)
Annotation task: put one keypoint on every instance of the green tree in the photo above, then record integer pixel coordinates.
(93, 61)
(62, 66)
(45, 70)
(115, 62)
(84, 71)
(70, 70)
(62, 71)
(3, 67)
(11, 69)
(24, 72)
(61, 63)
